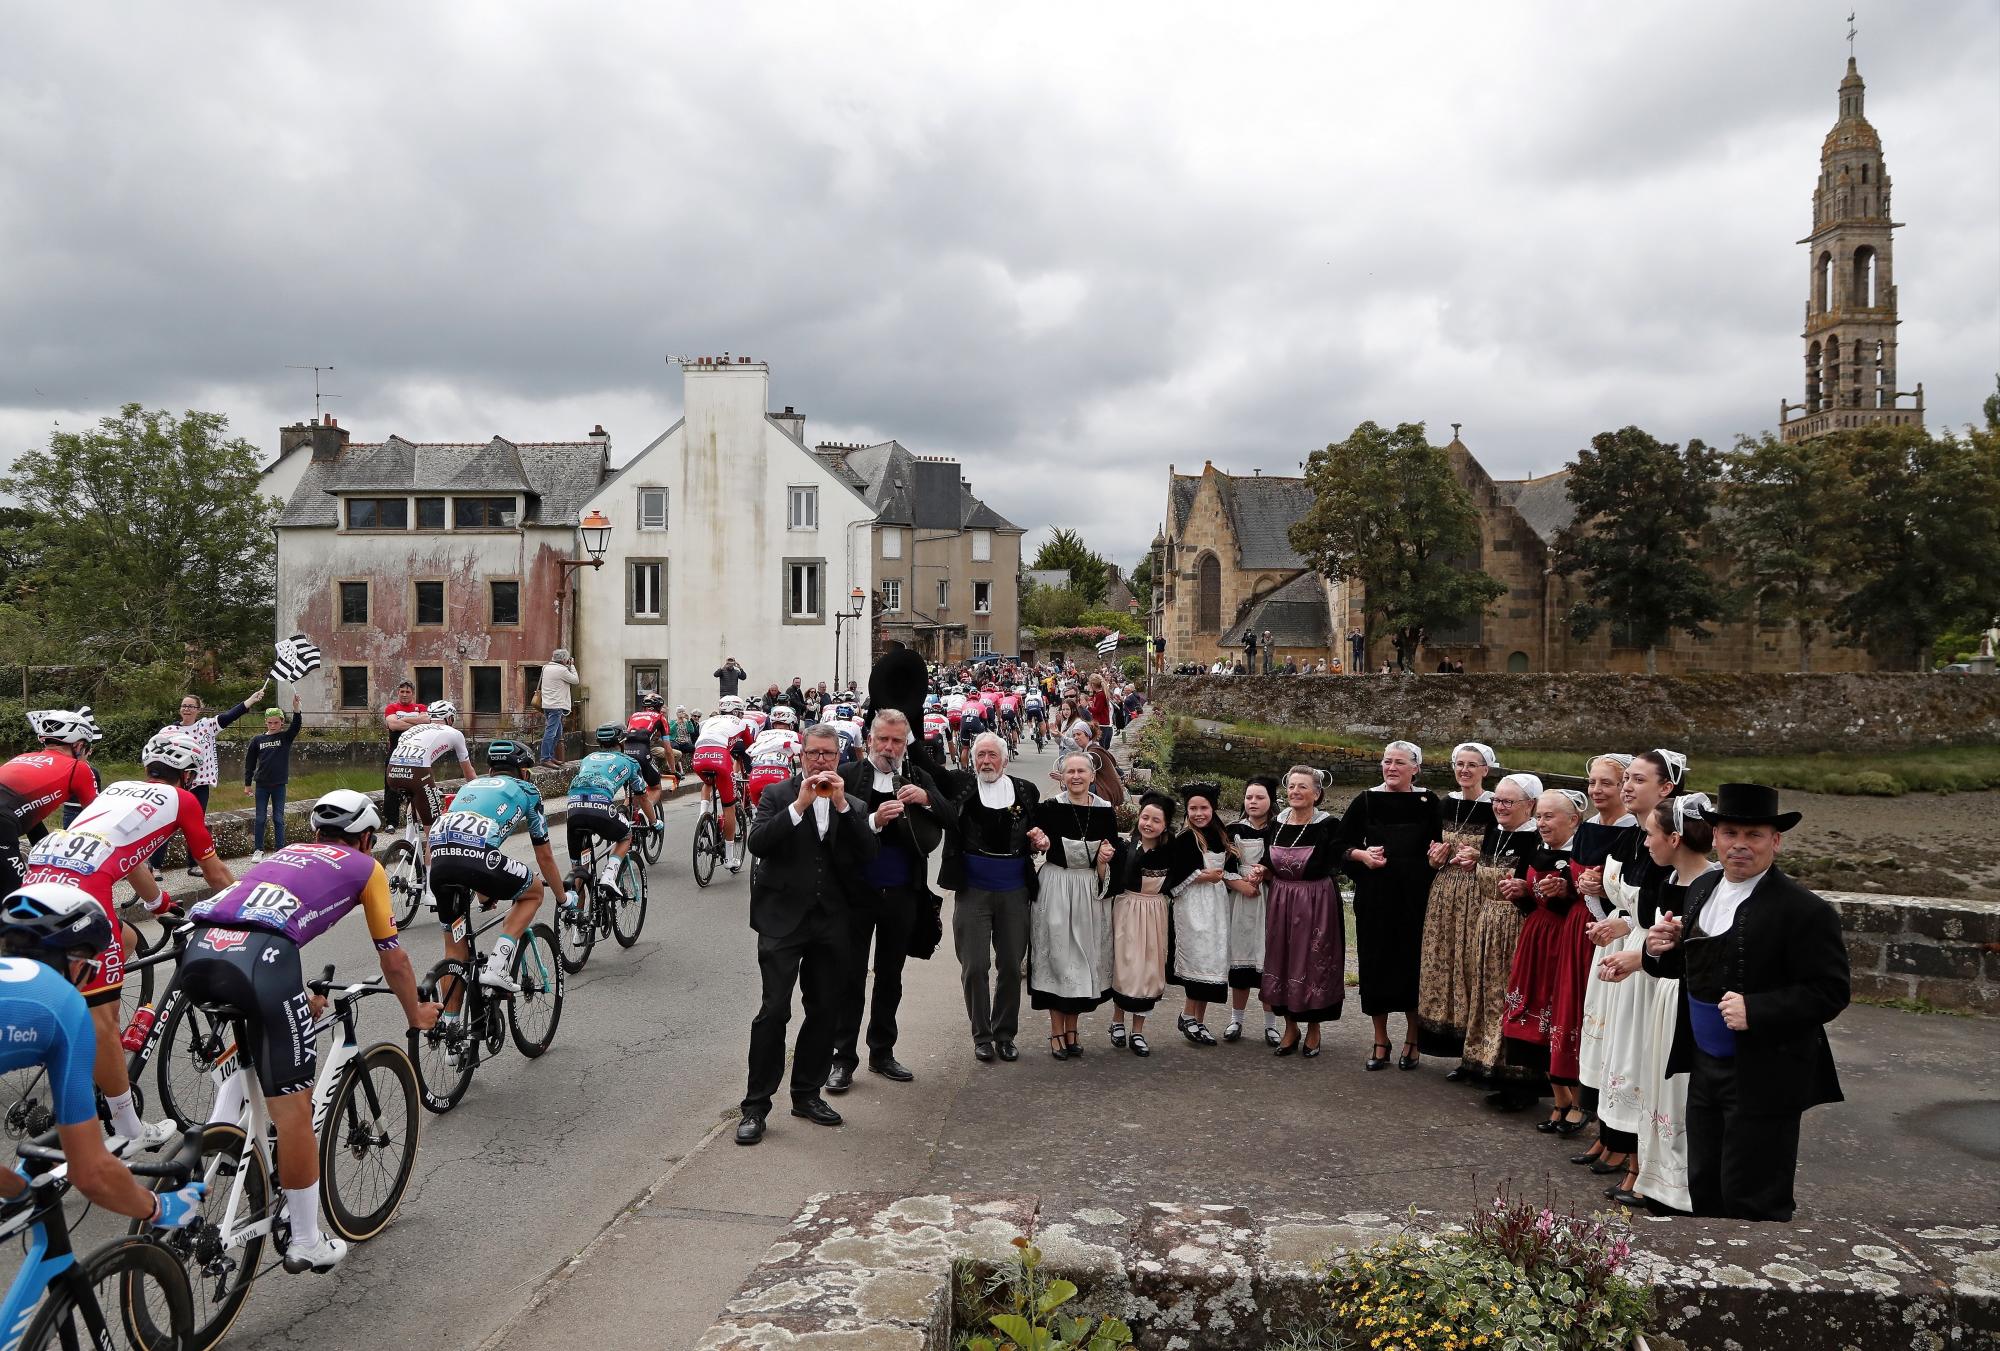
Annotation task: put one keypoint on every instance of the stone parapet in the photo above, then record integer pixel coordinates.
(1940, 950)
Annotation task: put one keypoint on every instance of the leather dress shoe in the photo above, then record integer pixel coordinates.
(816, 1111)
(982, 1051)
(750, 1129)
(839, 1079)
(890, 1068)
(1009, 1052)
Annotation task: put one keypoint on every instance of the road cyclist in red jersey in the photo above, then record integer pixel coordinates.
(36, 783)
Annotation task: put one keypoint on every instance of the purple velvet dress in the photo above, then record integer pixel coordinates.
(1305, 939)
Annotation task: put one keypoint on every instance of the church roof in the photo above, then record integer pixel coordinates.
(1262, 510)
(1542, 502)
(1295, 613)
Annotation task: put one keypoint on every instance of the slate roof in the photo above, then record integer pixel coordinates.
(1180, 497)
(1295, 614)
(887, 476)
(558, 477)
(1542, 502)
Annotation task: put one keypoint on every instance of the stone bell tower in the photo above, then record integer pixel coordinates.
(1850, 332)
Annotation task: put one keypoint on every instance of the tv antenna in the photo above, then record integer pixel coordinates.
(317, 396)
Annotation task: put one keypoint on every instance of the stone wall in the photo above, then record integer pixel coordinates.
(1943, 952)
(1703, 714)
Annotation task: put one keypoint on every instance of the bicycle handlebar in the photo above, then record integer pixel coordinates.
(359, 989)
(176, 1169)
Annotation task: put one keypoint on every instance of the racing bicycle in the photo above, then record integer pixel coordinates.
(708, 828)
(448, 1053)
(403, 861)
(599, 910)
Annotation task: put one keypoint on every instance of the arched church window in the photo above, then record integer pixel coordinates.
(1864, 280)
(1208, 594)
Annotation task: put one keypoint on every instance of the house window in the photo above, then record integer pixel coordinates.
(646, 680)
(803, 585)
(430, 513)
(645, 591)
(982, 598)
(892, 543)
(944, 594)
(354, 687)
(805, 509)
(652, 508)
(531, 680)
(429, 603)
(982, 644)
(482, 688)
(482, 513)
(430, 684)
(503, 602)
(982, 546)
(378, 513)
(892, 595)
(354, 602)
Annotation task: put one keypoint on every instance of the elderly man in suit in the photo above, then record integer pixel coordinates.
(988, 865)
(810, 844)
(892, 908)
(1763, 969)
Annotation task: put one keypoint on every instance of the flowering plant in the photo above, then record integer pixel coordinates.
(1516, 1277)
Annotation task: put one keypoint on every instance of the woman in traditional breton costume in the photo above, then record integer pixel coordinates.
(1605, 823)
(1250, 837)
(1545, 988)
(1198, 935)
(1444, 978)
(1496, 934)
(1139, 922)
(1069, 927)
(1385, 841)
(1305, 936)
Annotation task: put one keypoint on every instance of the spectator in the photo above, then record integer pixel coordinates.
(1291, 665)
(558, 681)
(399, 716)
(1249, 649)
(1270, 654)
(267, 763)
(204, 731)
(730, 674)
(795, 695)
(1333, 667)
(772, 698)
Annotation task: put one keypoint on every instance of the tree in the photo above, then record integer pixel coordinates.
(150, 537)
(1992, 407)
(1388, 513)
(1140, 580)
(1786, 509)
(1089, 575)
(1919, 538)
(1640, 507)
(1052, 607)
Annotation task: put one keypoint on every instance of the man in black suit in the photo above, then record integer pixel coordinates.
(809, 842)
(892, 905)
(1763, 969)
(988, 867)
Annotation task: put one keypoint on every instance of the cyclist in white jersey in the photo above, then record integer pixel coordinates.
(722, 740)
(412, 769)
(774, 754)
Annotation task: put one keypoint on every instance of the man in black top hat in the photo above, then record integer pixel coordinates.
(1763, 969)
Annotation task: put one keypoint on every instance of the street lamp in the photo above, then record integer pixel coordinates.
(857, 602)
(596, 527)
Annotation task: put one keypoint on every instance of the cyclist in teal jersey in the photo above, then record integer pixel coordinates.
(593, 795)
(467, 855)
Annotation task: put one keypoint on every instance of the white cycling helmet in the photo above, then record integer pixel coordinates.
(62, 726)
(444, 710)
(783, 716)
(730, 703)
(346, 811)
(175, 750)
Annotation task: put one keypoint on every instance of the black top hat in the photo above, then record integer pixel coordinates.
(1748, 804)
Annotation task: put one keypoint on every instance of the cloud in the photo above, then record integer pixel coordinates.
(1067, 246)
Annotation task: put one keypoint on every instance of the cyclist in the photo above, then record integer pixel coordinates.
(722, 740)
(1032, 716)
(937, 728)
(467, 855)
(49, 937)
(35, 783)
(647, 727)
(244, 952)
(413, 764)
(103, 846)
(593, 796)
(774, 754)
(971, 726)
(1010, 720)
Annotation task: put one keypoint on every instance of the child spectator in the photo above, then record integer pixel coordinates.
(267, 762)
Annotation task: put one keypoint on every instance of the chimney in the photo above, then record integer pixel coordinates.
(599, 435)
(326, 438)
(792, 421)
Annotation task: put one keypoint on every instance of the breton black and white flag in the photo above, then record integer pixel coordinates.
(296, 656)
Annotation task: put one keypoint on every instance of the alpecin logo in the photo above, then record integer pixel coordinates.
(223, 940)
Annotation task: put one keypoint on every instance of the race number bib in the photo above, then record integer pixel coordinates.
(72, 851)
(269, 904)
(464, 828)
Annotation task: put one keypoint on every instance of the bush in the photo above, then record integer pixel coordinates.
(1133, 669)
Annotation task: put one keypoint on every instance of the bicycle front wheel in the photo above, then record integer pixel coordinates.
(140, 1298)
(192, 1050)
(576, 925)
(628, 911)
(532, 1015)
(404, 863)
(369, 1145)
(707, 849)
(652, 838)
(218, 1278)
(443, 1053)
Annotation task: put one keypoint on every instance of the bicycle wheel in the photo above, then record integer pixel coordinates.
(368, 1147)
(142, 1299)
(653, 838)
(404, 863)
(628, 911)
(532, 1015)
(27, 1107)
(219, 1278)
(441, 1082)
(707, 849)
(190, 1051)
(576, 925)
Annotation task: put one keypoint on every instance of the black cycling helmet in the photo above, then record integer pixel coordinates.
(653, 700)
(53, 922)
(610, 734)
(503, 755)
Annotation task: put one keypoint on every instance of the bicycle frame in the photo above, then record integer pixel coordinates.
(49, 1260)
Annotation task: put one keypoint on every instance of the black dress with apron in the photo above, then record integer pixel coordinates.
(1390, 902)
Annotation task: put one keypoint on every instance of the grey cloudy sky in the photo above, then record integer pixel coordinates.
(1068, 244)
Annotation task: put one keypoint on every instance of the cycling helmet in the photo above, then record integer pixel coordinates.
(930, 701)
(176, 750)
(652, 701)
(730, 703)
(346, 812)
(783, 716)
(61, 726)
(51, 921)
(611, 734)
(502, 755)
(444, 710)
